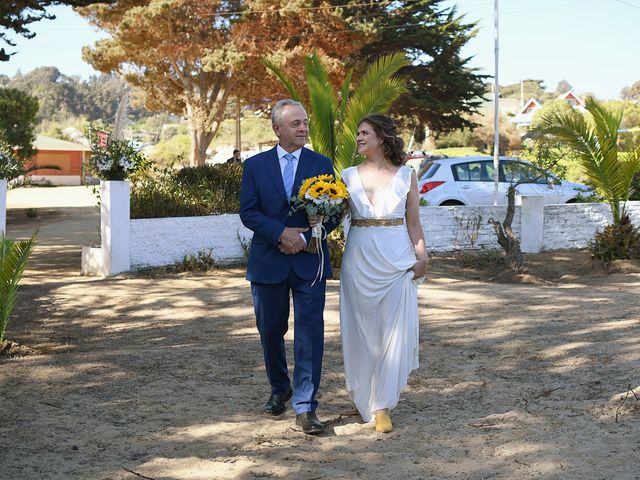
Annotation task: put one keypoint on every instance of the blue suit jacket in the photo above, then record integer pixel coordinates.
(264, 209)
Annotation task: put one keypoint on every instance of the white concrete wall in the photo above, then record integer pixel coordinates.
(574, 224)
(163, 241)
(63, 180)
(463, 228)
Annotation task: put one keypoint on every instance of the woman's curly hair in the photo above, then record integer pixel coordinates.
(385, 129)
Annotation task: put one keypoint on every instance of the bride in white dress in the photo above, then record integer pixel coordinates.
(385, 258)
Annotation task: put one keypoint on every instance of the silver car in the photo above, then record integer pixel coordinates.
(469, 181)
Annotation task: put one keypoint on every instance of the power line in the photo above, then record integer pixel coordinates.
(305, 34)
(628, 4)
(277, 10)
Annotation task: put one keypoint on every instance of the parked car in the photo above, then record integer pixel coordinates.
(420, 161)
(469, 181)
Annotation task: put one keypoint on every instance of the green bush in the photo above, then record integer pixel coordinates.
(635, 187)
(455, 139)
(174, 151)
(620, 241)
(189, 192)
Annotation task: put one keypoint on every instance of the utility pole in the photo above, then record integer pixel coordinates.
(238, 134)
(496, 112)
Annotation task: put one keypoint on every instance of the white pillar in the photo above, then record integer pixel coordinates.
(3, 205)
(531, 223)
(114, 226)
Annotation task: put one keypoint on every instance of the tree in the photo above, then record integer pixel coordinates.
(563, 87)
(531, 88)
(333, 117)
(595, 144)
(18, 120)
(191, 56)
(57, 93)
(482, 137)
(17, 15)
(631, 93)
(443, 91)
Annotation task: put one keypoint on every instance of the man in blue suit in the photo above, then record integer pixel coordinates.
(279, 267)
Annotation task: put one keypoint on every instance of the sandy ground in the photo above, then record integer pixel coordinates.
(161, 377)
(50, 197)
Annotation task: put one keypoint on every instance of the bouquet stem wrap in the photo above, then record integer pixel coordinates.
(324, 199)
(318, 233)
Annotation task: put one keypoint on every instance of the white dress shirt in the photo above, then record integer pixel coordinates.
(283, 162)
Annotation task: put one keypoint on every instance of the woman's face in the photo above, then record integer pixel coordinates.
(367, 140)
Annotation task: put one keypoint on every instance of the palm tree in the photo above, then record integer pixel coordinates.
(13, 260)
(595, 144)
(334, 116)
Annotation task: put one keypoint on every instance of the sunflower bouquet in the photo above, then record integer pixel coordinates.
(324, 199)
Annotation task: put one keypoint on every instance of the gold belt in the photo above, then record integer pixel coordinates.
(376, 222)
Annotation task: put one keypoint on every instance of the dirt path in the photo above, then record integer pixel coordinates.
(163, 377)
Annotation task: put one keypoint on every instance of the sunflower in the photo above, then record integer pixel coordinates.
(305, 186)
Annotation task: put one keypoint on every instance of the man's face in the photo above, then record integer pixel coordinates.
(293, 133)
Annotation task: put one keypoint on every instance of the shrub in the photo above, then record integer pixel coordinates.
(336, 242)
(635, 187)
(454, 139)
(621, 241)
(174, 151)
(202, 261)
(189, 192)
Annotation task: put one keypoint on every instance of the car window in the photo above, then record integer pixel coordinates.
(514, 172)
(431, 170)
(467, 172)
(487, 171)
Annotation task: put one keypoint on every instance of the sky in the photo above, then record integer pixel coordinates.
(593, 44)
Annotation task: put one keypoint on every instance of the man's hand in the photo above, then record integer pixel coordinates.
(290, 241)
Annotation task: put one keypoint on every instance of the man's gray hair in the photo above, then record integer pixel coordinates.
(276, 111)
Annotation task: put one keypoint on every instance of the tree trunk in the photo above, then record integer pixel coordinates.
(506, 237)
(200, 132)
(200, 141)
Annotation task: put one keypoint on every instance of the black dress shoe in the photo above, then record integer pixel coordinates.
(277, 403)
(309, 423)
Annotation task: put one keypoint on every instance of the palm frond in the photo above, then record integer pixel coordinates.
(595, 144)
(286, 81)
(322, 107)
(382, 69)
(344, 94)
(333, 120)
(323, 113)
(13, 260)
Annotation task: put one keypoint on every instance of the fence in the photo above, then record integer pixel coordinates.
(134, 244)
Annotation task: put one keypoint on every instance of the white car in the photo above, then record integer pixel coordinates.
(469, 181)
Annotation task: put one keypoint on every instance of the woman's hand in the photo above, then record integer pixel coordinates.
(419, 269)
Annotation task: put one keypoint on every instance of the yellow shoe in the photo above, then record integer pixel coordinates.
(383, 422)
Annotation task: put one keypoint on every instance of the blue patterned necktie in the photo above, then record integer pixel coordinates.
(287, 175)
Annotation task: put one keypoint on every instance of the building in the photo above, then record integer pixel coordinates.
(524, 117)
(70, 157)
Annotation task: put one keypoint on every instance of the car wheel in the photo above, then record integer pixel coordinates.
(450, 203)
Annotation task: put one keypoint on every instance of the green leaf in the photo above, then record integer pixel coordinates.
(13, 260)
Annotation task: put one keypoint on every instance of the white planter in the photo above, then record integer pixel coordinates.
(92, 261)
(114, 226)
(3, 205)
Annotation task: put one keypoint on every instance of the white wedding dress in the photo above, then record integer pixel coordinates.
(378, 297)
